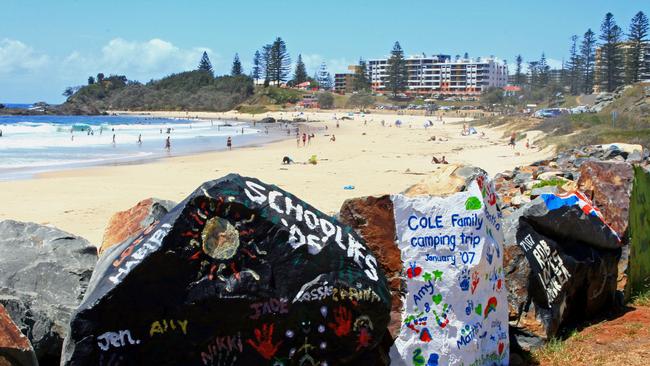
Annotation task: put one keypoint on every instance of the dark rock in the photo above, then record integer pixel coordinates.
(15, 349)
(609, 186)
(521, 178)
(240, 272)
(543, 190)
(129, 223)
(44, 275)
(561, 267)
(635, 157)
(267, 120)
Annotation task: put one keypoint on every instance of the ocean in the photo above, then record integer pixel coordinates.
(35, 144)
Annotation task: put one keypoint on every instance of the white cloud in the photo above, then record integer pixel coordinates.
(138, 60)
(15, 56)
(554, 64)
(334, 65)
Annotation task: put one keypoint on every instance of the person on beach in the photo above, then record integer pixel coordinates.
(113, 139)
(287, 160)
(304, 139)
(298, 140)
(242, 130)
(0, 133)
(513, 137)
(140, 139)
(229, 143)
(439, 161)
(168, 143)
(333, 138)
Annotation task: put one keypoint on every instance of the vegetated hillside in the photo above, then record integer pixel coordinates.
(631, 123)
(626, 119)
(192, 90)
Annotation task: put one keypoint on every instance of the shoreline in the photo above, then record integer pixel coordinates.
(195, 144)
(375, 159)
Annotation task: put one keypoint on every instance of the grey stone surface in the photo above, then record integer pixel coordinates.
(43, 277)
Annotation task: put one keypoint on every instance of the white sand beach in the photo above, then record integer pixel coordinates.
(375, 159)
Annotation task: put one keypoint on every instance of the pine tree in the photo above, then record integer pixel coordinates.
(636, 38)
(544, 71)
(574, 68)
(280, 61)
(610, 54)
(323, 77)
(361, 81)
(397, 73)
(267, 67)
(519, 77)
(205, 63)
(588, 56)
(533, 70)
(91, 80)
(300, 74)
(236, 69)
(257, 66)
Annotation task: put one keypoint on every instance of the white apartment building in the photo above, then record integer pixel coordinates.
(439, 74)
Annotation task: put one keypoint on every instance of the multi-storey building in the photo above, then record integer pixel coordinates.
(344, 82)
(624, 49)
(439, 74)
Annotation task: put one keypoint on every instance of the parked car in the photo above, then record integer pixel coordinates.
(579, 109)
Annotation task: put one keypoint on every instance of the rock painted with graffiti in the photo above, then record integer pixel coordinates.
(239, 273)
(455, 311)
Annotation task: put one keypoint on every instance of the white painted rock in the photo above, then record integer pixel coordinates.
(455, 311)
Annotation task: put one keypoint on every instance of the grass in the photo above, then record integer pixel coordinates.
(641, 299)
(553, 352)
(252, 109)
(549, 182)
(570, 101)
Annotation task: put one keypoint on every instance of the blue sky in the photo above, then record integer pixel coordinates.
(48, 45)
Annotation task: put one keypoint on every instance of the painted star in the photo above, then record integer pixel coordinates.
(427, 276)
(437, 275)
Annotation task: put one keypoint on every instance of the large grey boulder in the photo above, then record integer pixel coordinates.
(44, 273)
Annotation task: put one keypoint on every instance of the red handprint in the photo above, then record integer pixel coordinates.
(475, 281)
(343, 321)
(364, 339)
(264, 344)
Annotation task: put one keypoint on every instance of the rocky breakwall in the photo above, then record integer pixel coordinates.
(566, 243)
(239, 273)
(44, 273)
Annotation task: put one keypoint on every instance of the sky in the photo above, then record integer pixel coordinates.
(46, 46)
